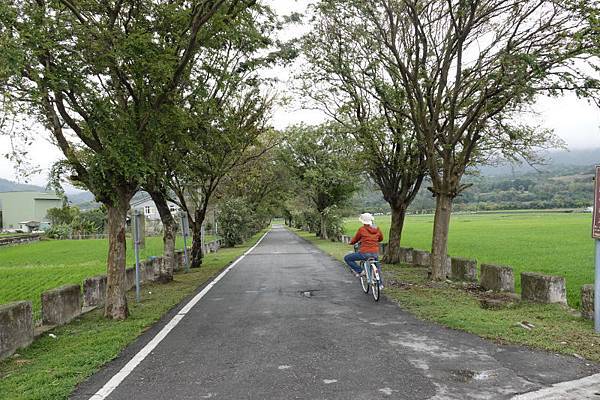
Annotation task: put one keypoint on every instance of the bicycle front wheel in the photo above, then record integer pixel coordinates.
(375, 280)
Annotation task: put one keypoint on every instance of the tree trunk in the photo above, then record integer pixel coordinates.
(196, 253)
(116, 300)
(439, 246)
(392, 252)
(323, 233)
(165, 272)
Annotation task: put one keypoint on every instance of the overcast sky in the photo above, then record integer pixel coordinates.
(576, 121)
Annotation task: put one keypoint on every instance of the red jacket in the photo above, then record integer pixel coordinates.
(369, 238)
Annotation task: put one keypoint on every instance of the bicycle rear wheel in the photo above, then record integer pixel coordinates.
(364, 280)
(375, 282)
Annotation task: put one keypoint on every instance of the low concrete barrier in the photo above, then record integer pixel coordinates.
(421, 258)
(447, 266)
(61, 305)
(16, 327)
(129, 278)
(499, 278)
(587, 301)
(463, 269)
(19, 239)
(94, 291)
(543, 288)
(150, 268)
(179, 260)
(345, 239)
(213, 246)
(405, 255)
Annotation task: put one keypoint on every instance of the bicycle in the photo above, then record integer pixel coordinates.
(371, 279)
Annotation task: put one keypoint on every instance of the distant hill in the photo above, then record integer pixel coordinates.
(554, 161)
(9, 186)
(564, 181)
(84, 200)
(81, 197)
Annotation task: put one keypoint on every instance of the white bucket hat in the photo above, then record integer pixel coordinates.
(366, 218)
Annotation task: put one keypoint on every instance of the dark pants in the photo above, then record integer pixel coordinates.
(352, 258)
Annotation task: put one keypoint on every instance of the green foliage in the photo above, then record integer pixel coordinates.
(238, 221)
(63, 215)
(322, 162)
(234, 220)
(70, 220)
(335, 223)
(59, 231)
(306, 219)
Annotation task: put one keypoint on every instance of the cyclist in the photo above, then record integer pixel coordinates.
(369, 237)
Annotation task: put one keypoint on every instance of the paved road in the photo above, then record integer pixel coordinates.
(256, 335)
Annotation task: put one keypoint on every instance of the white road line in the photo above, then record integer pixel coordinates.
(579, 389)
(116, 380)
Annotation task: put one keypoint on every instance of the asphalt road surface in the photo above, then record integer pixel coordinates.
(290, 322)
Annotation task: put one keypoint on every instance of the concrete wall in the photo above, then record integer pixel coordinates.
(61, 305)
(421, 258)
(463, 269)
(16, 327)
(19, 239)
(94, 291)
(129, 278)
(587, 301)
(543, 288)
(406, 255)
(499, 278)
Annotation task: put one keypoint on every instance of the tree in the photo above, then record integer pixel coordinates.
(159, 194)
(352, 85)
(263, 184)
(97, 75)
(63, 215)
(226, 113)
(323, 161)
(220, 140)
(467, 68)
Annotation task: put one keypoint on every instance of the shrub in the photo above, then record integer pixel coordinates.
(59, 231)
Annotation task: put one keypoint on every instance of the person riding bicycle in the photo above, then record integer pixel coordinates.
(369, 237)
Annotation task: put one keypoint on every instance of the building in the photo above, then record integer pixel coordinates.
(26, 211)
(144, 204)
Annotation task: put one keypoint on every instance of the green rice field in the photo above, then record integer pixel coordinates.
(547, 242)
(27, 270)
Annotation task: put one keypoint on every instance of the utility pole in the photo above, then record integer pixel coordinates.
(596, 236)
(136, 245)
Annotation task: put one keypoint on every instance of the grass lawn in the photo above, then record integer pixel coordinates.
(555, 327)
(51, 368)
(27, 270)
(550, 243)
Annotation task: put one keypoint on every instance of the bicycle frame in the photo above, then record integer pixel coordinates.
(371, 279)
